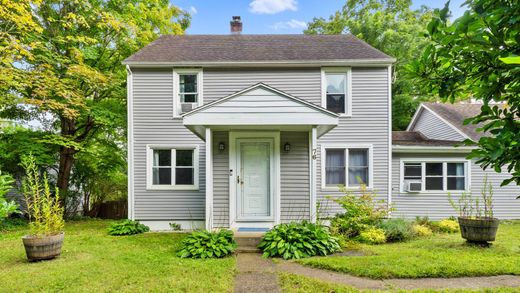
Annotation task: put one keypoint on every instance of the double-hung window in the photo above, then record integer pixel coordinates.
(436, 175)
(188, 90)
(172, 168)
(336, 90)
(347, 166)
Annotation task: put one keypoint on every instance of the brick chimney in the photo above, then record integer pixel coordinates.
(236, 25)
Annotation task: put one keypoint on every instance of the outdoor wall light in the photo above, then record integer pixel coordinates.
(221, 146)
(287, 147)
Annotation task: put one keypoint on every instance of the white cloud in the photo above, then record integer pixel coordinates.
(192, 10)
(291, 24)
(272, 6)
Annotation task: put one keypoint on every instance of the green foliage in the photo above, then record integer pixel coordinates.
(372, 235)
(471, 207)
(466, 60)
(6, 207)
(448, 226)
(422, 230)
(44, 209)
(12, 224)
(298, 240)
(397, 229)
(127, 227)
(394, 28)
(361, 212)
(206, 244)
(175, 226)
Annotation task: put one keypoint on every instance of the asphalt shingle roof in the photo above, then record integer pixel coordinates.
(255, 48)
(416, 138)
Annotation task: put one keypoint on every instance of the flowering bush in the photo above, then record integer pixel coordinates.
(449, 226)
(422, 230)
(373, 235)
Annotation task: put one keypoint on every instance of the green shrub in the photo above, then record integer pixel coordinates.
(44, 209)
(205, 244)
(298, 240)
(397, 229)
(6, 207)
(361, 212)
(11, 224)
(372, 235)
(422, 230)
(127, 227)
(449, 226)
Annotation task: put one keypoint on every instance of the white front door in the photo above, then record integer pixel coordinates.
(254, 184)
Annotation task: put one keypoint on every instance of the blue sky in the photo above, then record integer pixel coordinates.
(270, 16)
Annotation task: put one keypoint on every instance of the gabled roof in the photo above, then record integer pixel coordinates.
(215, 49)
(454, 115)
(260, 106)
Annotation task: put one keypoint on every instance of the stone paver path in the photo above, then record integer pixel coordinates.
(255, 274)
(406, 284)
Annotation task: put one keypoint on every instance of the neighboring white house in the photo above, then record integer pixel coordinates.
(247, 131)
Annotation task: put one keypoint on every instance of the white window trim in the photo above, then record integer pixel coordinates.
(176, 90)
(423, 161)
(149, 163)
(348, 95)
(370, 147)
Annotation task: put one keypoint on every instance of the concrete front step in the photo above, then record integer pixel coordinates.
(248, 242)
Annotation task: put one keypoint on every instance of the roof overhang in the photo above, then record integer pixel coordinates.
(287, 63)
(431, 149)
(260, 107)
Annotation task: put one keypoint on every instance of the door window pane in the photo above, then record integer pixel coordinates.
(358, 167)
(335, 166)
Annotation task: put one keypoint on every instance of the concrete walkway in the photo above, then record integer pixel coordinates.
(255, 274)
(405, 284)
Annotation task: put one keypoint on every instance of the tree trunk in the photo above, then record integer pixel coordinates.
(64, 171)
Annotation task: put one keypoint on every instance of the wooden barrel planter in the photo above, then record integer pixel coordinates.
(42, 248)
(479, 230)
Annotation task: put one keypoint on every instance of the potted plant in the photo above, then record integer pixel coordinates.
(476, 220)
(45, 214)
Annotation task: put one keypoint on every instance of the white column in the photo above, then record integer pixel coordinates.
(209, 180)
(312, 166)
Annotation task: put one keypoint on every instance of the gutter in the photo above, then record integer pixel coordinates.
(294, 63)
(431, 149)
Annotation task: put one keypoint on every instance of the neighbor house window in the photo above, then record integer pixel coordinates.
(346, 166)
(336, 90)
(187, 90)
(172, 168)
(436, 176)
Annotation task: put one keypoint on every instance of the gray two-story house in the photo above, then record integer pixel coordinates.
(247, 131)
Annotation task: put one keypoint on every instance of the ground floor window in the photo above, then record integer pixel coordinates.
(171, 168)
(348, 166)
(435, 176)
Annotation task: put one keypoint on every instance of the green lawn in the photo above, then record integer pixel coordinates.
(442, 255)
(92, 261)
(291, 283)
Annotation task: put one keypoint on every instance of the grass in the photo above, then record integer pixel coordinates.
(93, 261)
(291, 283)
(441, 255)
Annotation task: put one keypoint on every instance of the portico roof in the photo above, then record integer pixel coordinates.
(260, 107)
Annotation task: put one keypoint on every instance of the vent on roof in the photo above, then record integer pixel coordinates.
(236, 25)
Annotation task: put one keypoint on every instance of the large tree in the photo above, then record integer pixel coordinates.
(60, 62)
(477, 56)
(394, 28)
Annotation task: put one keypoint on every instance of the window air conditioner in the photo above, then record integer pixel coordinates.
(414, 186)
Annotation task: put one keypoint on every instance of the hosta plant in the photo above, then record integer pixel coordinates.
(127, 227)
(298, 240)
(206, 244)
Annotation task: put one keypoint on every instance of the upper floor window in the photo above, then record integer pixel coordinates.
(435, 176)
(172, 168)
(336, 90)
(187, 90)
(348, 166)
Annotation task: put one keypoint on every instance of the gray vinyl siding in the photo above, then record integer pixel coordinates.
(368, 125)
(302, 83)
(220, 181)
(294, 181)
(434, 128)
(153, 124)
(435, 205)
